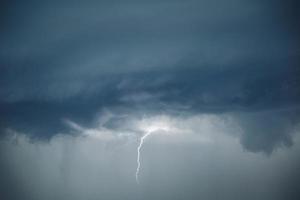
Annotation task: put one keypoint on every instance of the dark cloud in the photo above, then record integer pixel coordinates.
(208, 90)
(71, 60)
(268, 130)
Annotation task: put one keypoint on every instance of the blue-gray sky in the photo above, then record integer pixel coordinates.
(72, 62)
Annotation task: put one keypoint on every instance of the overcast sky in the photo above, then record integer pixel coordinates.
(215, 84)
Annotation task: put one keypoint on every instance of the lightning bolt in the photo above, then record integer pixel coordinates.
(139, 155)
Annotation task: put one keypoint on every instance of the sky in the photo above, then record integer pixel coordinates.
(208, 89)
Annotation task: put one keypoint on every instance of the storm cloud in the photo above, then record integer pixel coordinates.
(73, 69)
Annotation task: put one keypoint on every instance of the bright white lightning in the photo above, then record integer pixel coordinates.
(139, 155)
(149, 129)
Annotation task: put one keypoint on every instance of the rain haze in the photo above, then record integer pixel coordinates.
(152, 100)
